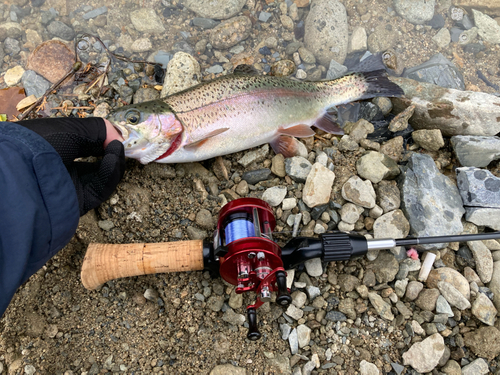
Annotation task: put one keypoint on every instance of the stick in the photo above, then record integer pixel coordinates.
(105, 262)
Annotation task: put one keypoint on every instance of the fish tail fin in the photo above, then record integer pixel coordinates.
(379, 85)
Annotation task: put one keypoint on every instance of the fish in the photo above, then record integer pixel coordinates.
(240, 111)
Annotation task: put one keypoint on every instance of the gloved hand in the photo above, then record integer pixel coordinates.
(77, 138)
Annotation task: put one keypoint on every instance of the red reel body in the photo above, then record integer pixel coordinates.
(248, 256)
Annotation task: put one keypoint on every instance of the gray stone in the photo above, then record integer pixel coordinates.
(483, 259)
(476, 367)
(94, 13)
(313, 292)
(488, 28)
(216, 9)
(299, 299)
(442, 38)
(215, 302)
(417, 12)
(293, 341)
(391, 225)
(359, 40)
(375, 166)
(489, 217)
(385, 267)
(61, 30)
(227, 369)
(230, 32)
(314, 267)
(326, 31)
(255, 176)
(484, 310)
(359, 192)
(215, 69)
(453, 296)
(254, 156)
(335, 316)
(298, 168)
(274, 195)
(303, 335)
(145, 94)
(478, 187)
(382, 307)
(425, 355)
(388, 196)
(34, 84)
(335, 70)
(265, 16)
(443, 307)
(438, 70)
(368, 368)
(430, 201)
(454, 112)
(205, 23)
(183, 72)
(285, 331)
(233, 318)
(350, 213)
(293, 312)
(476, 151)
(146, 20)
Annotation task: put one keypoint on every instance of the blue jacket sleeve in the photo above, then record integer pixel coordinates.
(38, 206)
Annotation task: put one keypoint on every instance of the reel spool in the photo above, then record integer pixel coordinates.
(248, 256)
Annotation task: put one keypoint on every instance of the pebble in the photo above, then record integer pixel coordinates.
(293, 341)
(299, 299)
(151, 295)
(289, 204)
(274, 195)
(318, 186)
(451, 276)
(442, 38)
(382, 307)
(61, 30)
(400, 122)
(368, 368)
(265, 16)
(443, 307)
(359, 192)
(488, 217)
(230, 32)
(13, 75)
(183, 72)
(255, 176)
(484, 310)
(429, 139)
(233, 318)
(298, 168)
(453, 296)
(326, 31)
(488, 28)
(375, 166)
(476, 367)
(227, 369)
(335, 316)
(254, 156)
(95, 13)
(425, 355)
(29, 369)
(141, 45)
(314, 267)
(303, 335)
(216, 9)
(145, 20)
(416, 12)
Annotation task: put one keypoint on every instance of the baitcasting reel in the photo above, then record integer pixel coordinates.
(243, 252)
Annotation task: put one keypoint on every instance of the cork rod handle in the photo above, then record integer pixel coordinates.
(105, 262)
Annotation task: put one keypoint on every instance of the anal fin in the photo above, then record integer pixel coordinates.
(198, 142)
(286, 145)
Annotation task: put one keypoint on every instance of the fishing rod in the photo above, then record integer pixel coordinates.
(243, 252)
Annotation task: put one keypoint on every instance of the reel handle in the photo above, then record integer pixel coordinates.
(105, 262)
(253, 331)
(283, 298)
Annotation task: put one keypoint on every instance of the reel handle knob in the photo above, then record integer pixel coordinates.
(253, 331)
(284, 298)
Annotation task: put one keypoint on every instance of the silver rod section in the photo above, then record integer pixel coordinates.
(379, 244)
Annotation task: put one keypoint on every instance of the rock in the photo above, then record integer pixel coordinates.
(429, 139)
(255, 176)
(393, 225)
(494, 284)
(293, 312)
(484, 342)
(376, 167)
(443, 307)
(367, 368)
(95, 13)
(453, 296)
(314, 267)
(451, 276)
(452, 368)
(484, 310)
(326, 32)
(183, 71)
(359, 192)
(215, 302)
(230, 32)
(442, 38)
(293, 341)
(52, 59)
(382, 39)
(335, 70)
(477, 367)
(427, 299)
(303, 335)
(335, 316)
(280, 364)
(274, 195)
(358, 40)
(34, 84)
(233, 318)
(350, 213)
(144, 94)
(491, 7)
(228, 369)
(299, 299)
(489, 217)
(425, 355)
(265, 16)
(388, 196)
(13, 76)
(426, 195)
(438, 70)
(145, 20)
(61, 30)
(218, 9)
(254, 156)
(454, 112)
(483, 259)
(318, 186)
(298, 168)
(478, 187)
(141, 45)
(382, 307)
(416, 12)
(385, 267)
(289, 204)
(476, 151)
(278, 165)
(151, 295)
(488, 28)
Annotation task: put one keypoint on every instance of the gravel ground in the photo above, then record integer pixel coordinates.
(187, 323)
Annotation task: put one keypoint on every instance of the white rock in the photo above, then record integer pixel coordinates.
(303, 335)
(453, 296)
(289, 203)
(360, 192)
(367, 368)
(483, 258)
(13, 76)
(318, 186)
(424, 356)
(142, 45)
(314, 267)
(477, 367)
(183, 72)
(274, 195)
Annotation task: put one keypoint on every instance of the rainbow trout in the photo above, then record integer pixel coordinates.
(237, 112)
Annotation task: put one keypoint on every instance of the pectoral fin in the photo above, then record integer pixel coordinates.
(198, 142)
(299, 131)
(283, 144)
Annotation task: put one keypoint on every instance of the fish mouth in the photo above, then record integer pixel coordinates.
(123, 130)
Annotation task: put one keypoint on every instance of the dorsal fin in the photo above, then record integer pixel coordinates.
(245, 69)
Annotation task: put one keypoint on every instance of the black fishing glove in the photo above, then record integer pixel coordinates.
(78, 138)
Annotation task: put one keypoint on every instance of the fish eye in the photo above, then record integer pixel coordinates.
(133, 117)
